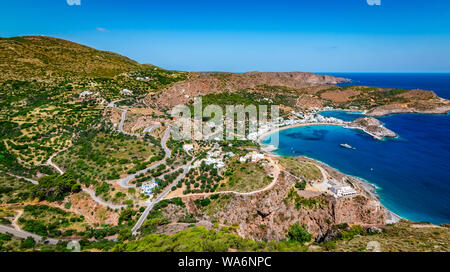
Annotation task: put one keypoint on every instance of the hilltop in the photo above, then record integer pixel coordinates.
(40, 57)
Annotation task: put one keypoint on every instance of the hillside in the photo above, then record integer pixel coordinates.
(40, 82)
(298, 91)
(40, 57)
(268, 83)
(53, 61)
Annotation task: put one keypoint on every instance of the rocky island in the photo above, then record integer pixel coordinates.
(372, 126)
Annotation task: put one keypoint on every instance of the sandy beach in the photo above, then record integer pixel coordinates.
(264, 135)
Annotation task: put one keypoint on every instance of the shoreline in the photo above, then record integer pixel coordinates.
(368, 186)
(387, 113)
(345, 125)
(264, 135)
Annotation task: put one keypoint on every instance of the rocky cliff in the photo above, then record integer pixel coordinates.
(268, 215)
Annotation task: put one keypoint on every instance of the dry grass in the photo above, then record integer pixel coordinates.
(305, 170)
(245, 178)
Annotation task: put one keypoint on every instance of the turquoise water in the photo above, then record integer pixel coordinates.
(343, 115)
(412, 172)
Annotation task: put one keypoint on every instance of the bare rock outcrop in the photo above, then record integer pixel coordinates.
(373, 127)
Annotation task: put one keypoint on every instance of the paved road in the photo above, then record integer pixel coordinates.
(91, 193)
(122, 122)
(144, 215)
(124, 181)
(102, 202)
(276, 174)
(150, 129)
(25, 234)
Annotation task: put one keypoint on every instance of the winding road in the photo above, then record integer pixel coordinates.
(101, 201)
(122, 122)
(25, 234)
(124, 182)
(147, 210)
(90, 192)
(277, 172)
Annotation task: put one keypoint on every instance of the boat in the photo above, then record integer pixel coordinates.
(347, 146)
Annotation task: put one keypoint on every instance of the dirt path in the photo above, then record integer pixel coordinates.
(50, 163)
(35, 182)
(14, 223)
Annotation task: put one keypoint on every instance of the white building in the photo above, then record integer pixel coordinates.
(343, 190)
(218, 163)
(148, 187)
(243, 159)
(188, 147)
(257, 156)
(229, 154)
(85, 93)
(126, 92)
(254, 157)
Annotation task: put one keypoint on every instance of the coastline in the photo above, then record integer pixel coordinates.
(344, 125)
(385, 113)
(368, 187)
(264, 135)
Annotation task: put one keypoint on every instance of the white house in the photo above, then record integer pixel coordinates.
(218, 163)
(85, 93)
(340, 190)
(126, 92)
(254, 156)
(243, 159)
(188, 147)
(148, 187)
(257, 156)
(229, 154)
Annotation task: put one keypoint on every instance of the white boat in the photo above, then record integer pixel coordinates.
(347, 146)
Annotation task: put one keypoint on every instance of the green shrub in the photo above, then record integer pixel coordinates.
(298, 233)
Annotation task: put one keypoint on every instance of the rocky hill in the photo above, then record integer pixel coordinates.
(373, 127)
(206, 83)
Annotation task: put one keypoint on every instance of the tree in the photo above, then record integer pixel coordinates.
(300, 185)
(55, 187)
(298, 233)
(28, 243)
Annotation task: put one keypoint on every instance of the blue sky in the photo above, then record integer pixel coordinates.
(246, 35)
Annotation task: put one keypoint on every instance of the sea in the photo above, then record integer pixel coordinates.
(411, 172)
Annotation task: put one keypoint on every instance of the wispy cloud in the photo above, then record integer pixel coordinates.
(101, 29)
(74, 2)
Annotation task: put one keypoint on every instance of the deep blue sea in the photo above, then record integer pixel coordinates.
(411, 172)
